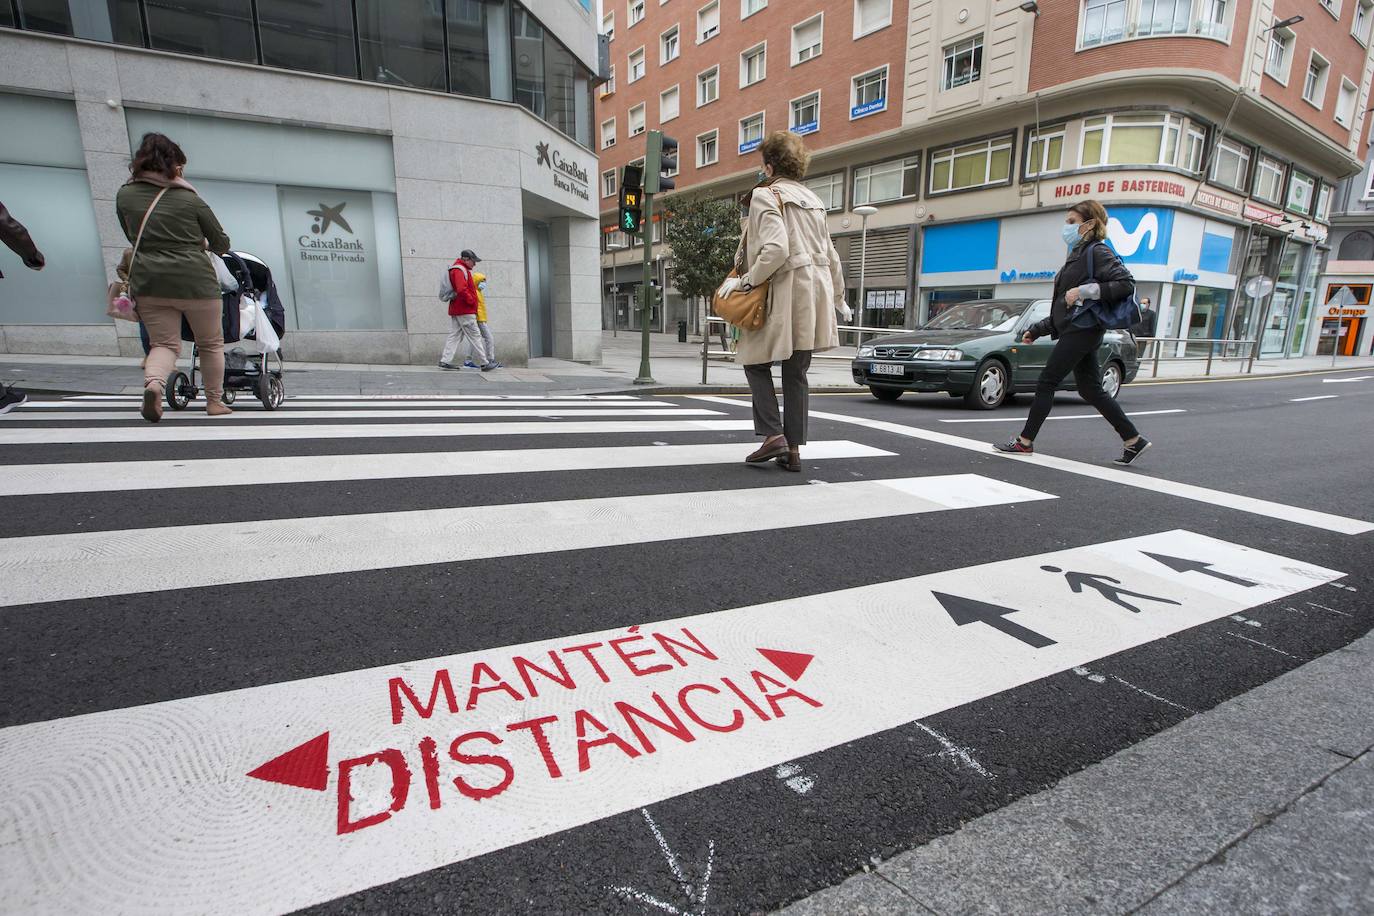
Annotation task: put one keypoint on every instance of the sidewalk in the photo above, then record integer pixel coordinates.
(675, 367)
(1260, 805)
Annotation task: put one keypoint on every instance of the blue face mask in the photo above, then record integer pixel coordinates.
(1069, 233)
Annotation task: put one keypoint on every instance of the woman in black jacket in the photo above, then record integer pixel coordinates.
(1077, 339)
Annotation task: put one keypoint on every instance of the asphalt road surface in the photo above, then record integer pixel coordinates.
(571, 655)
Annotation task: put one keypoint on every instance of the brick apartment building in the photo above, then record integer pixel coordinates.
(1216, 140)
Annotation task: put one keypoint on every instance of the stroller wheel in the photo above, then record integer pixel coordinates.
(179, 392)
(276, 393)
(229, 395)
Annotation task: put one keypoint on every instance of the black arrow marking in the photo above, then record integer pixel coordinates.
(1180, 565)
(966, 610)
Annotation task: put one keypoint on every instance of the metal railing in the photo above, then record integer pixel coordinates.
(1151, 350)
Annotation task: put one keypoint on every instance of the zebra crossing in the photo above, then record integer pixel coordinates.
(271, 680)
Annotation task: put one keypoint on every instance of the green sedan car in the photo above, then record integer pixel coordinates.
(973, 351)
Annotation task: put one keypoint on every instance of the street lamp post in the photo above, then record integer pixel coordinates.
(865, 212)
(611, 249)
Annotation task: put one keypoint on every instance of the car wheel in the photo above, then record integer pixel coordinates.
(989, 386)
(1111, 379)
(886, 394)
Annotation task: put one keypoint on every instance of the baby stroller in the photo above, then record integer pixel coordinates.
(253, 291)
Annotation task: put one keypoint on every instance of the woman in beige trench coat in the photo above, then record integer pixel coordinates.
(787, 243)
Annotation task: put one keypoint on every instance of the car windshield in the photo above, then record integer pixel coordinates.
(983, 315)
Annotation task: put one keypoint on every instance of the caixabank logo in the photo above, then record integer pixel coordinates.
(317, 245)
(568, 175)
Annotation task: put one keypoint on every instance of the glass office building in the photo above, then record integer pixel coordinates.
(429, 125)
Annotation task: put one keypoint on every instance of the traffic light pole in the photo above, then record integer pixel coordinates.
(646, 297)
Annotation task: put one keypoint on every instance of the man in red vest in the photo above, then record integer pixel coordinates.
(461, 295)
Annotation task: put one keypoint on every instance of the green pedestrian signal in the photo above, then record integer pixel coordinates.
(631, 210)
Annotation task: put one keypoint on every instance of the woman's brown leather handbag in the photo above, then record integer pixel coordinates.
(745, 309)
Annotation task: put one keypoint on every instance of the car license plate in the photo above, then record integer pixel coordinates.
(886, 369)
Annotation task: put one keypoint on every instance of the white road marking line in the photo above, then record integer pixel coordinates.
(1344, 381)
(96, 564)
(579, 411)
(1076, 416)
(956, 752)
(1322, 607)
(1241, 618)
(227, 430)
(1295, 514)
(1101, 679)
(1343, 586)
(399, 397)
(1320, 397)
(1258, 643)
(790, 774)
(396, 758)
(251, 406)
(116, 476)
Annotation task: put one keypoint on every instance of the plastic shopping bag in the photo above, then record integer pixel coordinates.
(248, 315)
(268, 341)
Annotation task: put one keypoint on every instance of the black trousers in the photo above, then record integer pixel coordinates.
(1076, 352)
(796, 397)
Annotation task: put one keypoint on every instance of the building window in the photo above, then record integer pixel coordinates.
(1213, 21)
(973, 165)
(708, 22)
(708, 148)
(1324, 203)
(963, 63)
(636, 65)
(1193, 149)
(805, 114)
(636, 11)
(708, 86)
(608, 87)
(1301, 193)
(1231, 164)
(608, 133)
(830, 189)
(753, 65)
(317, 38)
(608, 183)
(400, 46)
(886, 181)
(1331, 6)
(1163, 17)
(1345, 103)
(1045, 152)
(750, 133)
(1314, 86)
(806, 39)
(668, 46)
(1145, 139)
(1364, 14)
(868, 93)
(1280, 55)
(1268, 179)
(608, 25)
(748, 8)
(1103, 20)
(667, 105)
(636, 120)
(871, 15)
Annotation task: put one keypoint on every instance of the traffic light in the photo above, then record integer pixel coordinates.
(631, 210)
(660, 157)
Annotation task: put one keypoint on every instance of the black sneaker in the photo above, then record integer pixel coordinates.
(1132, 452)
(447, 366)
(11, 399)
(1014, 447)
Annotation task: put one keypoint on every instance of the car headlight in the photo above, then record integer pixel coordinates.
(865, 352)
(944, 355)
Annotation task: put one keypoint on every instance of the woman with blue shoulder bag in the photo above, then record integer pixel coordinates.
(1091, 279)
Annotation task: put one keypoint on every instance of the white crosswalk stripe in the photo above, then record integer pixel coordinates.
(456, 413)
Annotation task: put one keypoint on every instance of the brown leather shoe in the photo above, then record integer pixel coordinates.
(216, 409)
(791, 461)
(152, 402)
(772, 447)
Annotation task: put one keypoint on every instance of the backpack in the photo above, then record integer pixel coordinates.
(1115, 316)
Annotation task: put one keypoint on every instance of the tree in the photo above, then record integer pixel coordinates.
(703, 233)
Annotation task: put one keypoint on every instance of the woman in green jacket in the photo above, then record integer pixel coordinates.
(172, 276)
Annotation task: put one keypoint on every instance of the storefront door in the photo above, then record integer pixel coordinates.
(1277, 322)
(539, 288)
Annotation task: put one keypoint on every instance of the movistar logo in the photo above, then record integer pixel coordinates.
(1182, 275)
(1009, 276)
(1129, 242)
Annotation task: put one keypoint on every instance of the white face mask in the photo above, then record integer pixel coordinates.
(1069, 233)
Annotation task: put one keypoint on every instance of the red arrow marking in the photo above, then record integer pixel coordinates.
(306, 766)
(792, 664)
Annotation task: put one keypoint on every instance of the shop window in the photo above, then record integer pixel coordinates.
(222, 29)
(636, 11)
(885, 181)
(805, 114)
(806, 39)
(636, 120)
(830, 189)
(1268, 179)
(963, 63)
(708, 86)
(1314, 85)
(107, 20)
(973, 165)
(868, 93)
(1231, 164)
(636, 61)
(750, 133)
(1045, 152)
(315, 37)
(1345, 103)
(708, 22)
(1279, 57)
(667, 105)
(608, 187)
(871, 15)
(669, 47)
(1301, 193)
(708, 148)
(748, 8)
(753, 65)
(1131, 139)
